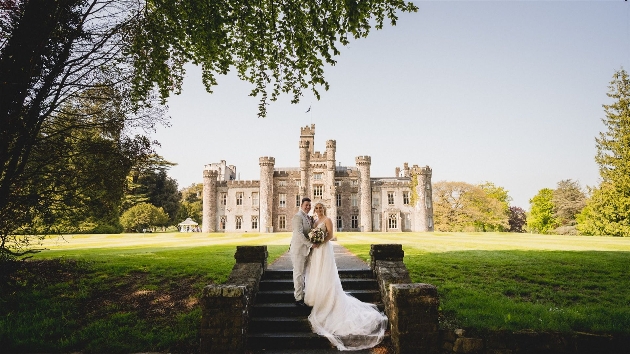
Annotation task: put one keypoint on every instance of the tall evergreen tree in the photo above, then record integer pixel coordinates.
(608, 209)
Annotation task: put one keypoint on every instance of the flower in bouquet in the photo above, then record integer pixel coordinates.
(317, 235)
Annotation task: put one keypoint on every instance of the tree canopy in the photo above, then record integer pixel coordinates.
(541, 216)
(460, 206)
(143, 216)
(280, 46)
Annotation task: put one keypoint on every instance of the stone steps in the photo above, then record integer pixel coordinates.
(277, 324)
(278, 296)
(347, 284)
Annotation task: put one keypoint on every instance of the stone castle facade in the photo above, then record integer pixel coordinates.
(354, 200)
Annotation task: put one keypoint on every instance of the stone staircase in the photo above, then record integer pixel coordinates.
(276, 324)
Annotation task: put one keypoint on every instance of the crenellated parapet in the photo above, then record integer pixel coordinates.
(210, 174)
(307, 131)
(243, 184)
(267, 161)
(331, 144)
(363, 160)
(425, 170)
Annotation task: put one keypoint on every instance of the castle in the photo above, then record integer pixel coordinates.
(354, 200)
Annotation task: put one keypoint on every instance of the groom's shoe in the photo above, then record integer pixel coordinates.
(300, 303)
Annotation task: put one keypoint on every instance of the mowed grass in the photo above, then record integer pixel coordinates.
(103, 294)
(517, 281)
(138, 292)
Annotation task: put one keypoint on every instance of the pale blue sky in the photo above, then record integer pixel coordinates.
(506, 92)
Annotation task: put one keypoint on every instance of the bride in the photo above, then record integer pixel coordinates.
(348, 323)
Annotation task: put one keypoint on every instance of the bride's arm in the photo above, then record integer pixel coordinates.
(329, 228)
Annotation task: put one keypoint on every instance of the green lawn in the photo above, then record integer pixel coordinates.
(134, 293)
(514, 282)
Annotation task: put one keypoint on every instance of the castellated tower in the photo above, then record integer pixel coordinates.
(423, 209)
(209, 201)
(266, 193)
(331, 188)
(365, 191)
(308, 134)
(305, 166)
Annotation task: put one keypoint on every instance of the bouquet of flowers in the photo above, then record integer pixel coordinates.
(317, 235)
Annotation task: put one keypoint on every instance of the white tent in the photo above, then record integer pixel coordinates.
(187, 225)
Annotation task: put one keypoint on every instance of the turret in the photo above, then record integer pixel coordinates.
(305, 167)
(266, 193)
(331, 188)
(365, 192)
(308, 134)
(406, 170)
(423, 208)
(209, 218)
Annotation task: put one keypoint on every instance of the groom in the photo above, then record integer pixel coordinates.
(300, 248)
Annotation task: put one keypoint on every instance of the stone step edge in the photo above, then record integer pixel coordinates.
(349, 292)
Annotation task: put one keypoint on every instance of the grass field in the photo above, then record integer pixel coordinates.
(132, 293)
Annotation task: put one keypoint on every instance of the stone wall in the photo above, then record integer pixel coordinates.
(412, 308)
(225, 307)
(530, 342)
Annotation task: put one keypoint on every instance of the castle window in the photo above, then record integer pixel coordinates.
(354, 221)
(283, 200)
(318, 176)
(339, 222)
(282, 222)
(338, 183)
(222, 222)
(392, 221)
(239, 198)
(318, 191)
(282, 183)
(255, 199)
(338, 199)
(239, 222)
(406, 198)
(254, 222)
(390, 198)
(298, 182)
(355, 182)
(354, 199)
(223, 198)
(297, 200)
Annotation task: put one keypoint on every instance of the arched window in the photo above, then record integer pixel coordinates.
(392, 221)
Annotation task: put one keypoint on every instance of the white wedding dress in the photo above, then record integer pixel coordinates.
(348, 323)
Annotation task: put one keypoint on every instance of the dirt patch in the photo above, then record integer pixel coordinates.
(134, 292)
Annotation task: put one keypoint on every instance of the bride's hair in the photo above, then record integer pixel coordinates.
(323, 207)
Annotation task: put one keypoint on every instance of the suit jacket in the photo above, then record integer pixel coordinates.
(300, 245)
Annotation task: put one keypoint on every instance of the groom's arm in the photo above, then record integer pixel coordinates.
(298, 227)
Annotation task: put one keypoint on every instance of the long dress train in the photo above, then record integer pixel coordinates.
(348, 323)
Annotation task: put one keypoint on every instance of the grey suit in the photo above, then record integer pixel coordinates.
(300, 250)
